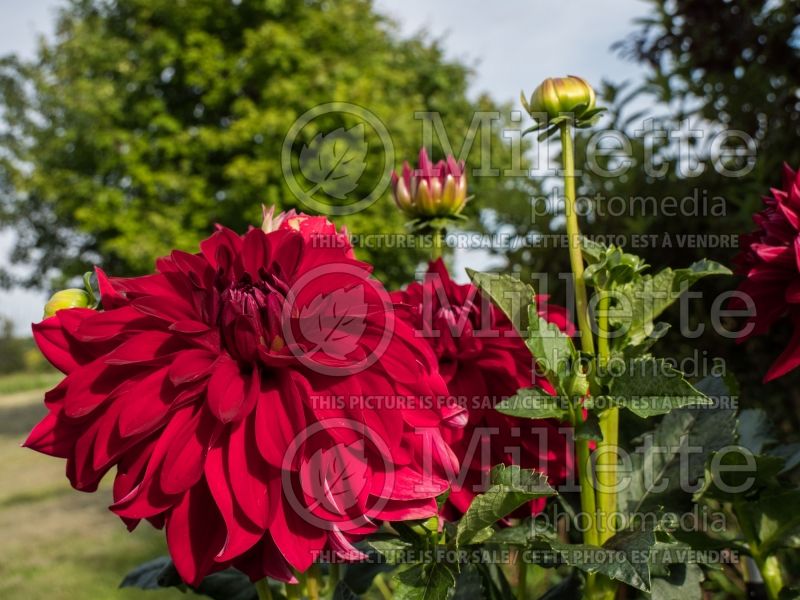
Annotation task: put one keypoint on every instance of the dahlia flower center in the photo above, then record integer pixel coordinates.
(250, 318)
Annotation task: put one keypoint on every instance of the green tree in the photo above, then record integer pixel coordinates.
(143, 122)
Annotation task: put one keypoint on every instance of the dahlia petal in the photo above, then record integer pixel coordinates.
(183, 466)
(147, 401)
(241, 533)
(255, 252)
(394, 510)
(144, 347)
(789, 359)
(110, 298)
(59, 348)
(279, 417)
(227, 390)
(52, 436)
(343, 547)
(195, 534)
(248, 473)
(299, 542)
(191, 365)
(265, 560)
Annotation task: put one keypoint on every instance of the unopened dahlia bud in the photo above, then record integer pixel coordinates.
(557, 95)
(71, 298)
(438, 190)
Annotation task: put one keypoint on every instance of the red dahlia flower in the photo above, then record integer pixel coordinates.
(483, 361)
(770, 261)
(228, 389)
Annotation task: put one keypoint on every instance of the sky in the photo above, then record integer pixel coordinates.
(511, 44)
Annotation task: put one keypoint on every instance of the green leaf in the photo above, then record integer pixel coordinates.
(553, 349)
(392, 549)
(511, 488)
(148, 576)
(430, 581)
(683, 583)
(569, 588)
(738, 474)
(160, 573)
(776, 519)
(755, 430)
(650, 386)
(533, 403)
(509, 294)
(470, 584)
(655, 477)
(649, 296)
(625, 557)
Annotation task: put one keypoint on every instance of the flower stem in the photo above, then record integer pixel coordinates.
(609, 427)
(312, 582)
(263, 589)
(438, 244)
(574, 236)
(522, 577)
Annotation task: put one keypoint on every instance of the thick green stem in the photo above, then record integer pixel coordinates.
(263, 590)
(438, 244)
(293, 591)
(313, 586)
(574, 236)
(522, 578)
(607, 456)
(768, 565)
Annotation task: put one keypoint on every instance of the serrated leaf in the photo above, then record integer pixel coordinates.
(738, 474)
(683, 583)
(533, 403)
(655, 477)
(649, 296)
(754, 430)
(553, 349)
(160, 573)
(650, 386)
(392, 550)
(511, 488)
(625, 557)
(432, 581)
(776, 519)
(334, 162)
(470, 584)
(509, 294)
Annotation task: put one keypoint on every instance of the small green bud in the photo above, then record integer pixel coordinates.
(71, 298)
(557, 95)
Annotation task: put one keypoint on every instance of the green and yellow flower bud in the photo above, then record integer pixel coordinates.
(556, 96)
(70, 298)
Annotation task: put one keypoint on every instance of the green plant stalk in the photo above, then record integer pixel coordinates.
(522, 578)
(768, 565)
(293, 591)
(334, 576)
(574, 236)
(609, 427)
(596, 587)
(438, 244)
(313, 577)
(263, 590)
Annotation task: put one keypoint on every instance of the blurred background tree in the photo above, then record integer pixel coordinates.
(143, 122)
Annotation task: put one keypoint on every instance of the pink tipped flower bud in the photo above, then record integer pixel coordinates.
(430, 191)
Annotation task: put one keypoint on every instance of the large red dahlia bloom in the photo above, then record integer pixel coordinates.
(228, 391)
(770, 261)
(483, 361)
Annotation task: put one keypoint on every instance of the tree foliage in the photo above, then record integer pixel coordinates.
(143, 122)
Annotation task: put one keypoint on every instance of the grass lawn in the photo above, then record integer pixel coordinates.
(57, 543)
